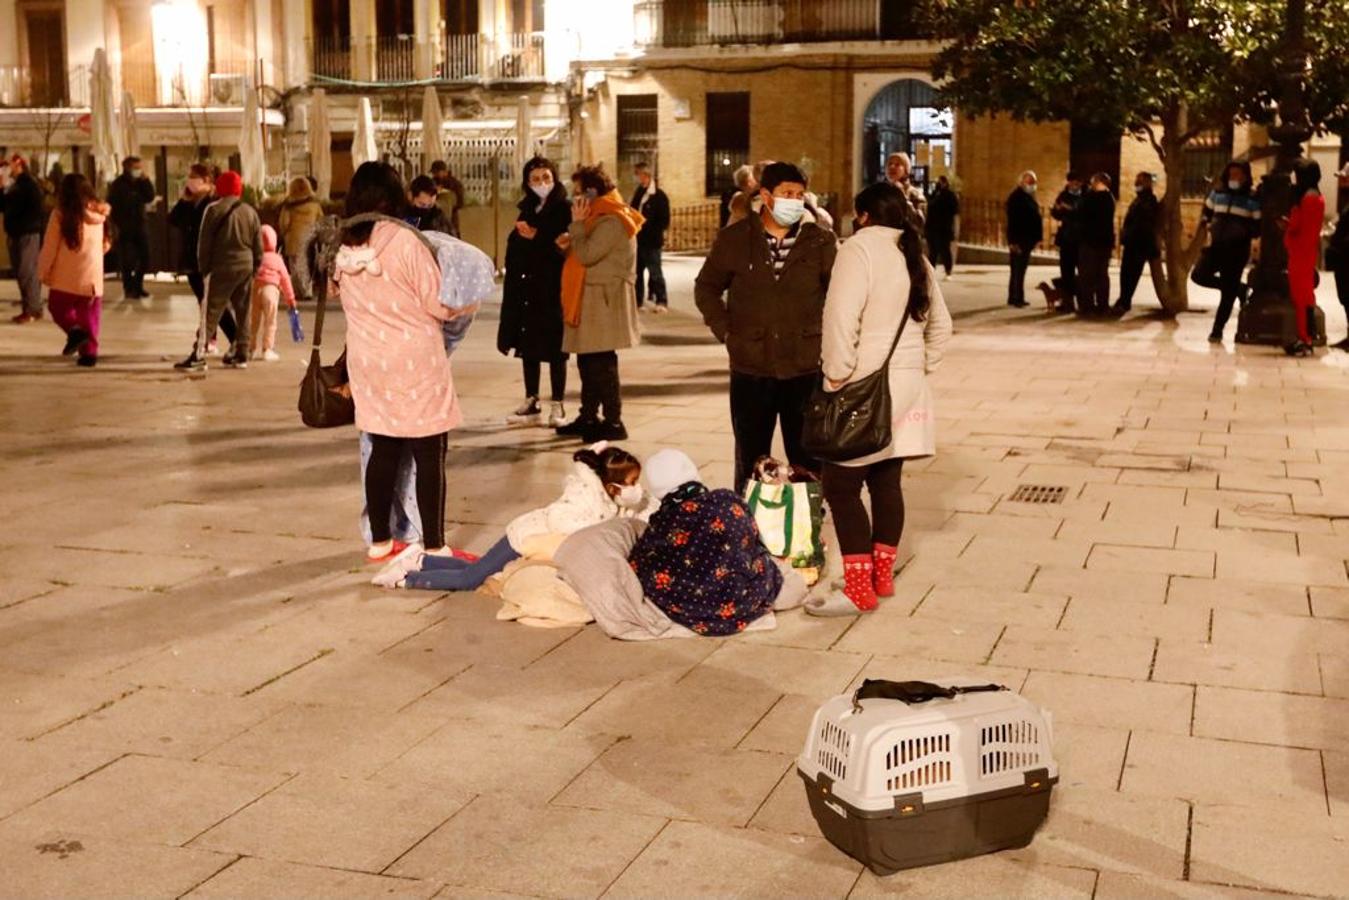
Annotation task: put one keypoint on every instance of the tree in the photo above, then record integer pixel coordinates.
(1163, 70)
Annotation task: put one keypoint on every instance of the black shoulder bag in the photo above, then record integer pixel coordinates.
(853, 421)
(321, 406)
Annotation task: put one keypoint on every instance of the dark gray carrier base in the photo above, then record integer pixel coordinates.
(913, 835)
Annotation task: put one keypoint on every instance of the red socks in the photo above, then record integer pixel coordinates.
(883, 558)
(857, 581)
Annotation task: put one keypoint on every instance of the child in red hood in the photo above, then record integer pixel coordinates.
(270, 282)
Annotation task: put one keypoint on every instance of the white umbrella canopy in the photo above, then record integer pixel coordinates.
(320, 143)
(131, 137)
(433, 122)
(105, 137)
(363, 149)
(524, 144)
(252, 158)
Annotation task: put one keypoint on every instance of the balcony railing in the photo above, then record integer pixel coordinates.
(330, 57)
(693, 23)
(149, 85)
(514, 56)
(396, 58)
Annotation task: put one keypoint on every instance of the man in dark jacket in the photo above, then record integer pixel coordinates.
(1025, 231)
(186, 216)
(424, 213)
(130, 196)
(450, 196)
(228, 253)
(1068, 238)
(1138, 236)
(651, 202)
(21, 202)
(942, 208)
(1097, 221)
(761, 292)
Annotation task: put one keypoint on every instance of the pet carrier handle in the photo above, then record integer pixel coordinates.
(913, 691)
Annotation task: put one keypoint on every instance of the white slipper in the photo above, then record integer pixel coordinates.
(395, 572)
(834, 605)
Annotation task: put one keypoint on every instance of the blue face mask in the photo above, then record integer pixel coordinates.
(787, 211)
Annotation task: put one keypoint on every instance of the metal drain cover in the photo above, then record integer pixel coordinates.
(1039, 493)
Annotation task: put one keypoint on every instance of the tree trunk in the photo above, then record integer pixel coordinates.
(1174, 238)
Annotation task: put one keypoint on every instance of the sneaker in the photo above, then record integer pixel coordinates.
(382, 553)
(74, 339)
(24, 318)
(605, 431)
(528, 413)
(557, 415)
(396, 570)
(577, 428)
(213, 349)
(231, 361)
(193, 363)
(270, 356)
(87, 362)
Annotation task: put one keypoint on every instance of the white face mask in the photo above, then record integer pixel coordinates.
(630, 496)
(787, 211)
(1234, 184)
(1028, 188)
(541, 190)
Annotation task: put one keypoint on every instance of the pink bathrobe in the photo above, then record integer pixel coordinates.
(400, 375)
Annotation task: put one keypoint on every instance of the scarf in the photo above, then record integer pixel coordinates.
(573, 272)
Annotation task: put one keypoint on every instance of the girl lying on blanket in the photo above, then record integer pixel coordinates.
(602, 485)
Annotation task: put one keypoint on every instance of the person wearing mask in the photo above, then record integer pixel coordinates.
(761, 293)
(899, 172)
(1337, 256)
(531, 294)
(1232, 215)
(21, 201)
(299, 212)
(71, 266)
(186, 216)
(1302, 241)
(1097, 223)
(1067, 211)
(1025, 231)
(424, 214)
(389, 285)
(599, 304)
(131, 195)
(735, 202)
(449, 193)
(881, 284)
(1138, 236)
(942, 210)
(229, 251)
(654, 206)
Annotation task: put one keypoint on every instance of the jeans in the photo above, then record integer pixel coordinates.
(72, 311)
(758, 405)
(23, 253)
(557, 377)
(1016, 285)
(1231, 266)
(600, 386)
(1094, 278)
(133, 255)
(1130, 272)
(842, 486)
(446, 573)
(381, 480)
(648, 260)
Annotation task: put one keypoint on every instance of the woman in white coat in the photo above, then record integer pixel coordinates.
(880, 280)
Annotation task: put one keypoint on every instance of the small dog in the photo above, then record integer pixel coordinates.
(773, 471)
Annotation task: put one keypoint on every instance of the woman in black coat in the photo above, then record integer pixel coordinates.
(531, 302)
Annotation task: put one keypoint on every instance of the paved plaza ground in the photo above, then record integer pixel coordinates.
(201, 695)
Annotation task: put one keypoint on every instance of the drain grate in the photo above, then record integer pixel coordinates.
(1039, 493)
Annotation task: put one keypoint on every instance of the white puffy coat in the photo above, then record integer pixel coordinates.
(584, 502)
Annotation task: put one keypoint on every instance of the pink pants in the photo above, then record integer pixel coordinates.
(262, 318)
(72, 311)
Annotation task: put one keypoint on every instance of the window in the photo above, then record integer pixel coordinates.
(637, 138)
(727, 139)
(332, 21)
(46, 56)
(461, 16)
(526, 15)
(1205, 156)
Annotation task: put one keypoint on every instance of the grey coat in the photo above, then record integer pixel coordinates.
(609, 304)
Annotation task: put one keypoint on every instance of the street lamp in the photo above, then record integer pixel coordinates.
(1268, 318)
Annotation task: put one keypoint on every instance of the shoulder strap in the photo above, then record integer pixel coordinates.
(904, 320)
(321, 295)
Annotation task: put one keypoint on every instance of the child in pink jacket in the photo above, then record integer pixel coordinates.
(270, 282)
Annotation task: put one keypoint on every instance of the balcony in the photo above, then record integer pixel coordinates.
(330, 57)
(511, 56)
(150, 86)
(699, 23)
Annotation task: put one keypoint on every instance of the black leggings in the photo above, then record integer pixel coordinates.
(843, 492)
(557, 377)
(600, 386)
(381, 478)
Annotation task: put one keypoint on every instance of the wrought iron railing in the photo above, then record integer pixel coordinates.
(330, 57)
(148, 84)
(514, 56)
(691, 23)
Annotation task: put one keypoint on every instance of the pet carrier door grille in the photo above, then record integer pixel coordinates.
(1009, 746)
(835, 743)
(918, 762)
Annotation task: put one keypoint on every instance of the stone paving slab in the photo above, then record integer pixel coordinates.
(203, 696)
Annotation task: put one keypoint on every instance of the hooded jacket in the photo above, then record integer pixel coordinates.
(78, 271)
(584, 502)
(299, 212)
(230, 239)
(272, 270)
(1233, 216)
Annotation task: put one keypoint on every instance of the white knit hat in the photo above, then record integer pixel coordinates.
(668, 469)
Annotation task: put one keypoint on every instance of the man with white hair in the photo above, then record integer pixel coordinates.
(899, 172)
(1025, 230)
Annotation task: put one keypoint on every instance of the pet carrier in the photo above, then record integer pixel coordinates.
(904, 774)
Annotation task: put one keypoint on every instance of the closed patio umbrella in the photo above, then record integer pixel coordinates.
(252, 158)
(363, 149)
(432, 125)
(320, 143)
(131, 138)
(105, 136)
(524, 145)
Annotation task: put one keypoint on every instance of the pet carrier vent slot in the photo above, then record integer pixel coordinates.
(1011, 746)
(1039, 493)
(918, 762)
(833, 752)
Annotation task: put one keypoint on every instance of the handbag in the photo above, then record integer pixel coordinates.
(853, 421)
(790, 518)
(321, 406)
(1205, 271)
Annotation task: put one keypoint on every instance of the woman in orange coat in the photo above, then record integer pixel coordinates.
(1302, 240)
(71, 266)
